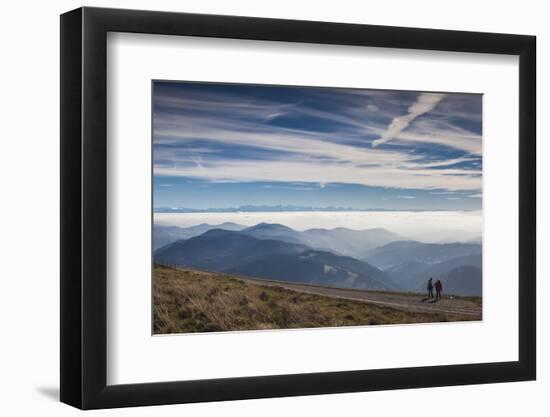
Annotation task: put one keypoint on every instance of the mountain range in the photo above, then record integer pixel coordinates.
(240, 253)
(412, 276)
(163, 235)
(374, 259)
(275, 208)
(355, 243)
(395, 253)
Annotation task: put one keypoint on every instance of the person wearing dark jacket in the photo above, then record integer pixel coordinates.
(438, 289)
(430, 288)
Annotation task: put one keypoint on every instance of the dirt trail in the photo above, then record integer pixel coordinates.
(404, 301)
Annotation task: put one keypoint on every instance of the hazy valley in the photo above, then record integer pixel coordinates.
(371, 259)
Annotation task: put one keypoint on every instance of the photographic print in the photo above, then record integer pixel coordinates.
(290, 207)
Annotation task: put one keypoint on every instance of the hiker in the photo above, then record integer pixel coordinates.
(438, 289)
(430, 288)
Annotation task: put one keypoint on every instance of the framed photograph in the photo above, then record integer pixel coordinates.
(257, 208)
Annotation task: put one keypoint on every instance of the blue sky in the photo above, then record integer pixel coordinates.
(227, 145)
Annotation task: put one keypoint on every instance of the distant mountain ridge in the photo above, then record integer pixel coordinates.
(316, 267)
(278, 208)
(349, 242)
(340, 240)
(220, 249)
(239, 253)
(398, 252)
(455, 278)
(274, 231)
(163, 235)
(366, 259)
(463, 280)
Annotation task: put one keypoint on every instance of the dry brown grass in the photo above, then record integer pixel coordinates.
(197, 301)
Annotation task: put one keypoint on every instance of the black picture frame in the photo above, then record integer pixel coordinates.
(84, 207)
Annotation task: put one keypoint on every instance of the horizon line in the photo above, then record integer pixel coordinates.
(290, 209)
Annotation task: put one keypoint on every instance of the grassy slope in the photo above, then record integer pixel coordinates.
(197, 301)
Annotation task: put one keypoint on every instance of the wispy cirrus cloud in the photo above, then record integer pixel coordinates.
(443, 133)
(315, 137)
(424, 103)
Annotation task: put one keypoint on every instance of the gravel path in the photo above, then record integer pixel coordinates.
(404, 301)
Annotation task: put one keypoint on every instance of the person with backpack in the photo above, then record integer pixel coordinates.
(438, 289)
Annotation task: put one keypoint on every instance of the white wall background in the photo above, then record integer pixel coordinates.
(29, 237)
